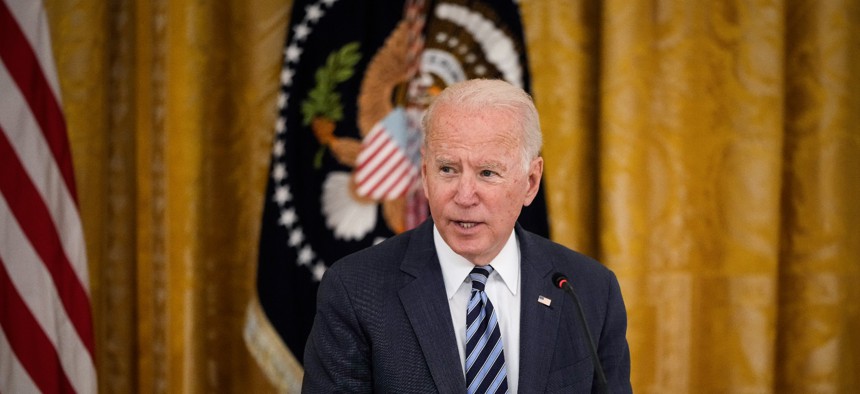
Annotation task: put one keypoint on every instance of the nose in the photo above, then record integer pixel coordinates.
(467, 193)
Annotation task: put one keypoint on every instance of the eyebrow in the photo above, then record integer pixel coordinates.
(489, 165)
(443, 161)
(492, 165)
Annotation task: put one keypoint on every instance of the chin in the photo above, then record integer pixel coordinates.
(469, 252)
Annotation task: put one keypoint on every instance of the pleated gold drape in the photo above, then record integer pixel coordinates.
(708, 152)
(171, 107)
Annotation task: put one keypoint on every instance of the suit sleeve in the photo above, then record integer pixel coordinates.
(337, 355)
(612, 349)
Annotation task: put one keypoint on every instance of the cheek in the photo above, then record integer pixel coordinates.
(512, 201)
(437, 192)
(514, 194)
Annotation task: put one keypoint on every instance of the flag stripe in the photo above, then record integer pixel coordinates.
(28, 208)
(401, 187)
(45, 312)
(392, 181)
(391, 170)
(28, 341)
(15, 377)
(21, 128)
(35, 287)
(378, 152)
(377, 162)
(30, 18)
(374, 172)
(372, 143)
(383, 171)
(25, 69)
(388, 189)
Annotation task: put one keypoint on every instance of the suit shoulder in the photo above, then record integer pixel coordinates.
(567, 260)
(386, 255)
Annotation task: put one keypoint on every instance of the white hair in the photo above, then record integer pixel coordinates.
(477, 94)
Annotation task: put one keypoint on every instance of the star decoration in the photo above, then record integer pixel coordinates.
(292, 53)
(282, 100)
(313, 13)
(279, 173)
(318, 270)
(287, 76)
(296, 237)
(301, 32)
(306, 255)
(282, 194)
(278, 149)
(288, 217)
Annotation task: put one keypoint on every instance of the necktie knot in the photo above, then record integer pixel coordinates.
(479, 277)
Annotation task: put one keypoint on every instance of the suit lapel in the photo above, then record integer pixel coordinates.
(423, 297)
(539, 323)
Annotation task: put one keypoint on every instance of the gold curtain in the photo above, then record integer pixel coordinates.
(708, 152)
(170, 107)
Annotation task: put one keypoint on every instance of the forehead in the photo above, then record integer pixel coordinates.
(453, 125)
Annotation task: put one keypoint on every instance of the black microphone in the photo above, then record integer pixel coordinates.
(560, 281)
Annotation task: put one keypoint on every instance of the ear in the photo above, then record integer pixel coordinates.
(424, 174)
(535, 173)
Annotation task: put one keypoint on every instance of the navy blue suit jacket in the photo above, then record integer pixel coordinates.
(383, 322)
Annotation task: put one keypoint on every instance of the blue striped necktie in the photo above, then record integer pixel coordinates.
(485, 359)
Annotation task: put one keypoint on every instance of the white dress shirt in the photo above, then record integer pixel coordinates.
(503, 290)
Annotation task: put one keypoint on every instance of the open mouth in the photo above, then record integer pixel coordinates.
(466, 225)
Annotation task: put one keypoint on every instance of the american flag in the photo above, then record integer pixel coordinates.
(390, 158)
(46, 341)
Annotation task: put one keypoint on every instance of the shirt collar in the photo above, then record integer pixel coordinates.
(455, 268)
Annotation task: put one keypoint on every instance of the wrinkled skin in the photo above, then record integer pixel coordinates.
(474, 179)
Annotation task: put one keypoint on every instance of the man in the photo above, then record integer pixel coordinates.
(465, 302)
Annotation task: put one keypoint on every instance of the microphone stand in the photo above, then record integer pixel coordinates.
(562, 282)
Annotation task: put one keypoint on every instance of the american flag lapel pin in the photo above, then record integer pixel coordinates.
(544, 300)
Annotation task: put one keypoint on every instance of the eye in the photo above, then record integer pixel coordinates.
(487, 173)
(446, 169)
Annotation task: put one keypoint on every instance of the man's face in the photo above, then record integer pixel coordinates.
(474, 179)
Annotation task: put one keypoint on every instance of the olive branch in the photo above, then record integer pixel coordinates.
(322, 100)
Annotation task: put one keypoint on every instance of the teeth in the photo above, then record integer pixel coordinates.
(467, 225)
